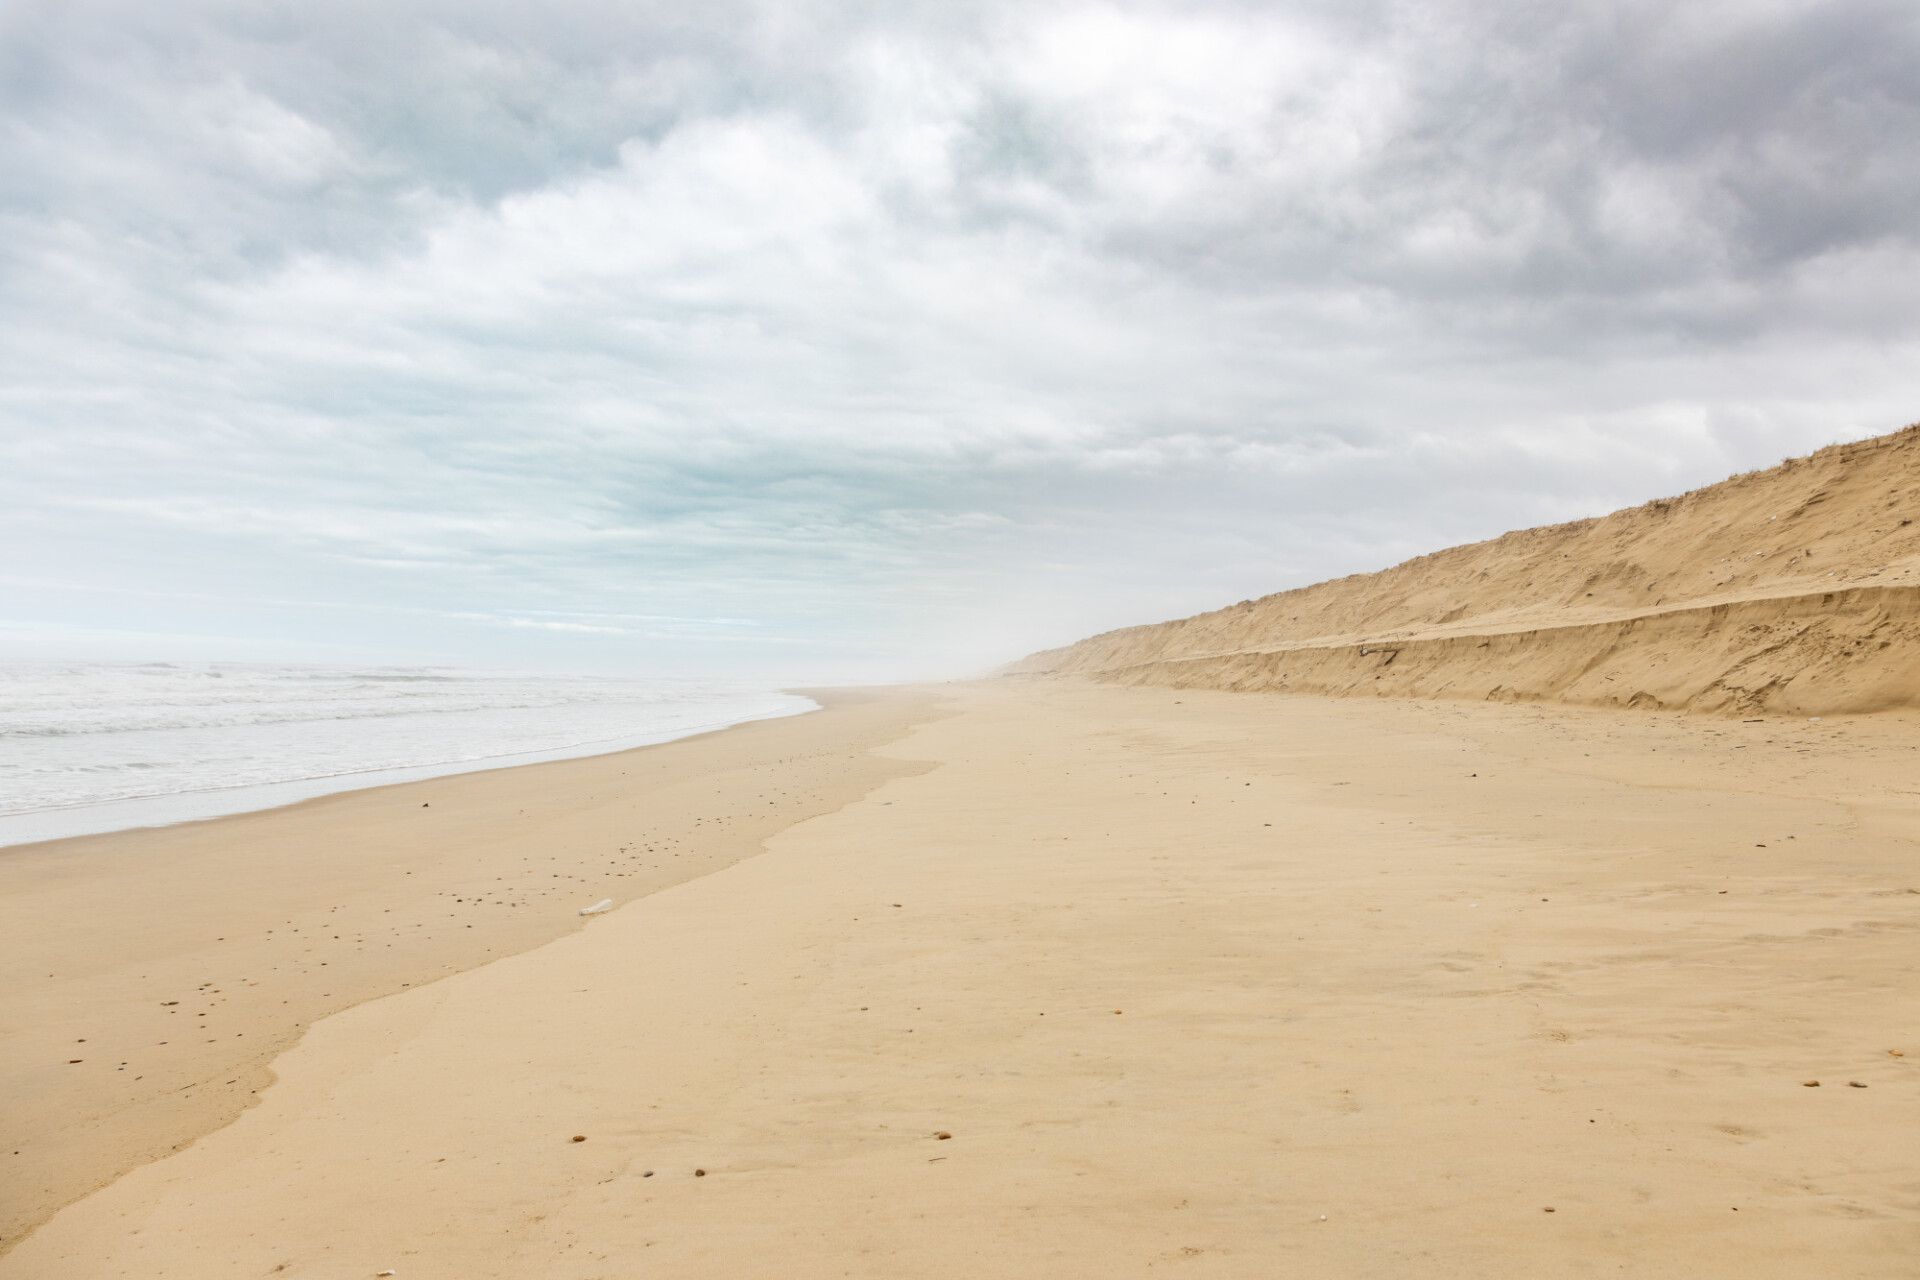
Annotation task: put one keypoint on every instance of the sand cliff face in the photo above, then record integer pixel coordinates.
(1795, 589)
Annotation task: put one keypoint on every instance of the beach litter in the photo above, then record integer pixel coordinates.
(605, 904)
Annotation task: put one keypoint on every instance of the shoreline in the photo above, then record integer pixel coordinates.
(1086, 979)
(257, 924)
(134, 813)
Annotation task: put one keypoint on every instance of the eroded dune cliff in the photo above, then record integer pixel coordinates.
(1795, 589)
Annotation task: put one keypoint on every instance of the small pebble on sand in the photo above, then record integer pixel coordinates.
(699, 1173)
(943, 1135)
(1855, 1084)
(579, 1137)
(1810, 1084)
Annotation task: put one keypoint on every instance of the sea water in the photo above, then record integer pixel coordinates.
(98, 747)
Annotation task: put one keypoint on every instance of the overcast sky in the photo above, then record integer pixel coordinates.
(877, 340)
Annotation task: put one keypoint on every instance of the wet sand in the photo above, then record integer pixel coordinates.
(177, 963)
(1233, 985)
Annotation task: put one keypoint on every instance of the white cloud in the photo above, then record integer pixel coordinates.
(905, 337)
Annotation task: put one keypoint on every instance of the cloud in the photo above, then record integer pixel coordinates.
(910, 335)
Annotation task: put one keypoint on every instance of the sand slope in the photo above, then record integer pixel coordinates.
(1393, 979)
(1793, 589)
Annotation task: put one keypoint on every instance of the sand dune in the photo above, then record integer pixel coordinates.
(1795, 589)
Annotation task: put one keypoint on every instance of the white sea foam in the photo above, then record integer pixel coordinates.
(95, 747)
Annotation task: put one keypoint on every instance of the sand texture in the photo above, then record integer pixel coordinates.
(1198, 983)
(175, 964)
(1792, 590)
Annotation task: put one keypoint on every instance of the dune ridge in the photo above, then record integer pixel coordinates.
(1793, 589)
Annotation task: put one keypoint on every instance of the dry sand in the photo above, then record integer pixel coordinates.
(1794, 590)
(1214, 984)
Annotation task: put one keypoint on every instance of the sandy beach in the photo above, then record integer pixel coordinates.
(968, 641)
(1037, 978)
(152, 977)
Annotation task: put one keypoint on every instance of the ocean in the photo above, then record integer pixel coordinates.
(89, 747)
